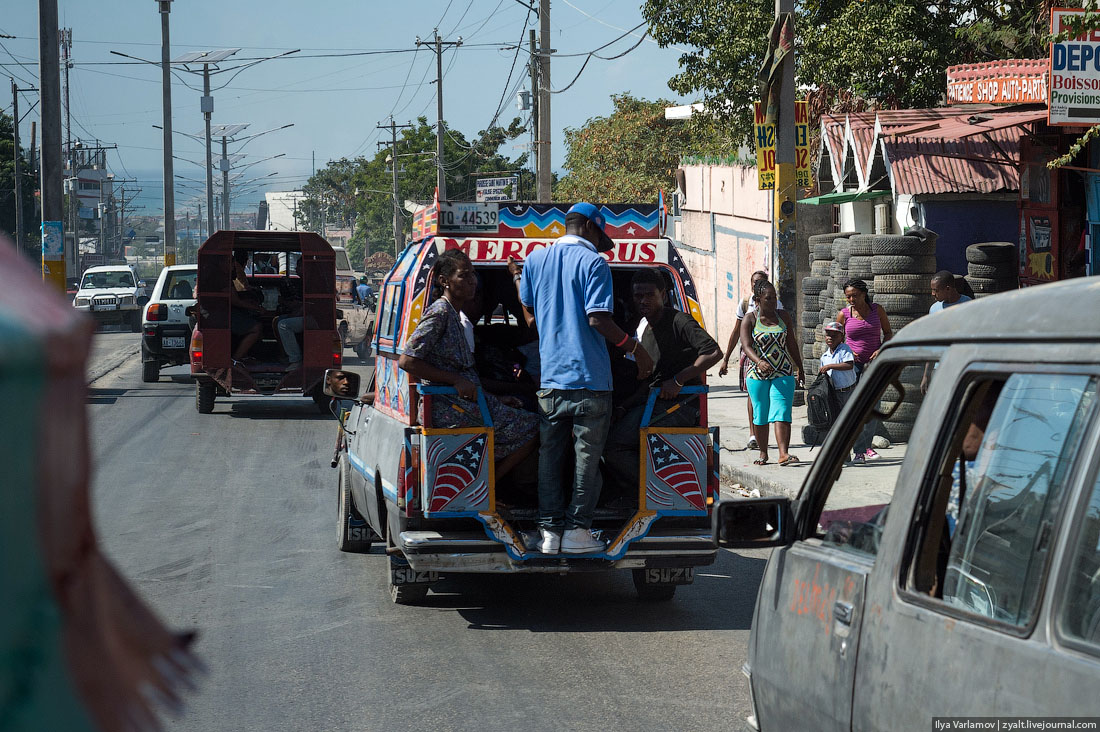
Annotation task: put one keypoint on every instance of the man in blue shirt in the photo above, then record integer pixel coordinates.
(943, 289)
(566, 292)
(364, 291)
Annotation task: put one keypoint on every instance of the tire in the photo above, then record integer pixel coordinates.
(900, 320)
(818, 349)
(651, 592)
(910, 284)
(808, 350)
(860, 245)
(998, 271)
(897, 431)
(902, 264)
(983, 284)
(843, 257)
(809, 318)
(897, 303)
(912, 394)
(823, 250)
(906, 411)
(815, 239)
(810, 366)
(350, 525)
(150, 371)
(806, 335)
(859, 267)
(819, 268)
(907, 245)
(206, 391)
(992, 251)
(135, 321)
(814, 285)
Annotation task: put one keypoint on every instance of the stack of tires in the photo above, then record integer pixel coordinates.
(903, 267)
(900, 424)
(991, 267)
(818, 292)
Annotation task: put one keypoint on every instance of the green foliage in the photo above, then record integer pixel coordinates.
(7, 184)
(357, 193)
(628, 155)
(849, 53)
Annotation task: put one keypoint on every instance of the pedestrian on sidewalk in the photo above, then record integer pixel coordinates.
(566, 292)
(771, 346)
(839, 363)
(744, 307)
(945, 288)
(866, 328)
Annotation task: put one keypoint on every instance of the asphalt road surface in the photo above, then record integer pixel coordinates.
(226, 523)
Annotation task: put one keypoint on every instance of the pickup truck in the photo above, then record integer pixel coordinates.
(111, 294)
(401, 482)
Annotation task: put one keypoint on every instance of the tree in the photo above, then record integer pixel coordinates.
(854, 53)
(357, 192)
(7, 183)
(627, 156)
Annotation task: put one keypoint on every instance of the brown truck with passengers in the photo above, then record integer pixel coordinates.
(264, 330)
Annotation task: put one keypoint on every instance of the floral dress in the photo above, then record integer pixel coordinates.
(439, 340)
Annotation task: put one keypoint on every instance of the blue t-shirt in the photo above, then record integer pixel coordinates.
(938, 306)
(562, 284)
(364, 291)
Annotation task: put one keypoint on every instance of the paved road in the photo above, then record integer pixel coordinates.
(226, 523)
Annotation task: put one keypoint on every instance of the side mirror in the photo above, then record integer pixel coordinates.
(754, 523)
(341, 384)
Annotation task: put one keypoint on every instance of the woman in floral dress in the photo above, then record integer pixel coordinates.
(440, 351)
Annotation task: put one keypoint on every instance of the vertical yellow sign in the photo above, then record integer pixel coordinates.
(764, 138)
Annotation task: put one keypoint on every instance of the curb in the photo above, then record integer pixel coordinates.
(751, 478)
(112, 362)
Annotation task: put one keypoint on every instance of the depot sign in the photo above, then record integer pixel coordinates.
(1074, 74)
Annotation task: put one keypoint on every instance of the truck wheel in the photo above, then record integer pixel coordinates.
(150, 372)
(205, 393)
(651, 592)
(352, 532)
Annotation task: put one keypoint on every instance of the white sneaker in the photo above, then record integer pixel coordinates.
(550, 542)
(580, 541)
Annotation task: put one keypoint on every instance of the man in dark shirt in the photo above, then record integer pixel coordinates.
(683, 352)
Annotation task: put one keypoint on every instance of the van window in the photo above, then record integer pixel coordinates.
(855, 510)
(1080, 618)
(988, 517)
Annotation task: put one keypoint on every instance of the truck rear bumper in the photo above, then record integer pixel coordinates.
(476, 553)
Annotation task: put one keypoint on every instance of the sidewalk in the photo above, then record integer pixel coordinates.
(728, 411)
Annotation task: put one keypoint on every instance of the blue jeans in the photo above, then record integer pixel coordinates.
(581, 418)
(287, 327)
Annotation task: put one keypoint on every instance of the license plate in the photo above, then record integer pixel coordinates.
(174, 342)
(409, 576)
(670, 576)
(101, 306)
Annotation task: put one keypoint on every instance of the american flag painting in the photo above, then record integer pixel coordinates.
(678, 470)
(457, 484)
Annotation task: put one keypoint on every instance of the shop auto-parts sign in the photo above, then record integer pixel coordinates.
(1074, 74)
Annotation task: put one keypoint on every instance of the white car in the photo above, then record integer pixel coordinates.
(165, 327)
(111, 295)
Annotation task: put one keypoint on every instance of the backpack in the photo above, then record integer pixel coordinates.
(822, 408)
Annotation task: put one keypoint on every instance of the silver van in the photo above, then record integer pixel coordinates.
(960, 578)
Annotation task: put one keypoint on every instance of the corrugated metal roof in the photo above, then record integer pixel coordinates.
(945, 165)
(832, 135)
(975, 124)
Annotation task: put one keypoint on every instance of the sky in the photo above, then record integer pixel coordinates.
(334, 98)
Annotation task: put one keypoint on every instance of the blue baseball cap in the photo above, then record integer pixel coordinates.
(592, 213)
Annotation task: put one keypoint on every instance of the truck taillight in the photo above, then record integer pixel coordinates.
(337, 352)
(196, 350)
(157, 311)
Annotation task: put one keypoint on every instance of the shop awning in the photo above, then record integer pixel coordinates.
(844, 197)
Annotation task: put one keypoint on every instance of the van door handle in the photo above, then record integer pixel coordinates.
(842, 613)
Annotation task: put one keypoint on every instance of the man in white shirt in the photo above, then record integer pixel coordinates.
(744, 307)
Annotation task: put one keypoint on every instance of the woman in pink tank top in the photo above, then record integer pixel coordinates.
(866, 326)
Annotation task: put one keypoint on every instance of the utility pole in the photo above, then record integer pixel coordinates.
(786, 188)
(165, 7)
(534, 64)
(398, 237)
(20, 236)
(224, 163)
(70, 165)
(441, 181)
(207, 105)
(49, 80)
(543, 143)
